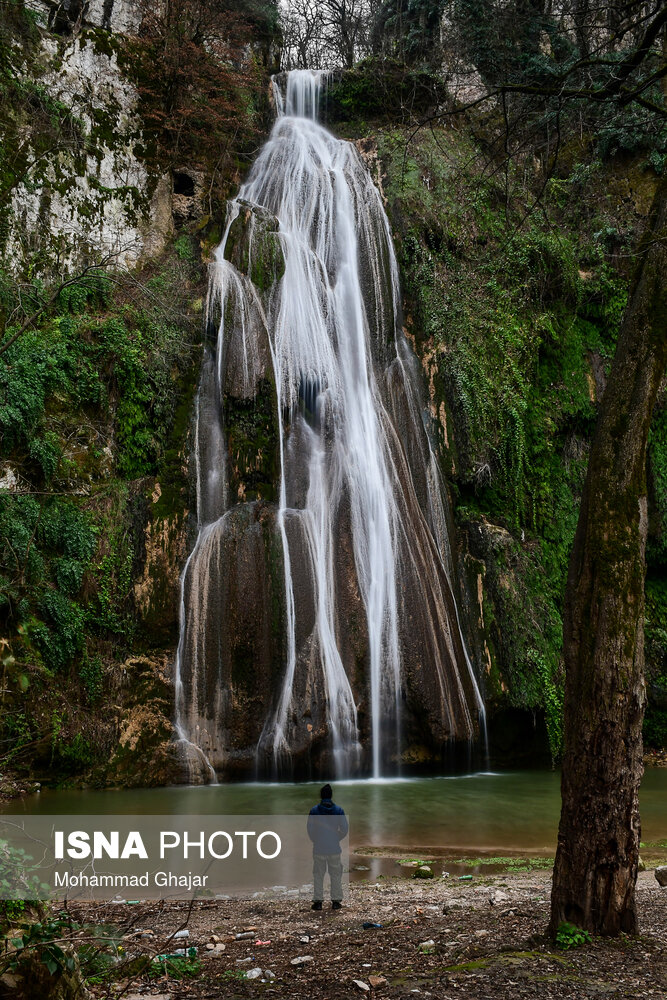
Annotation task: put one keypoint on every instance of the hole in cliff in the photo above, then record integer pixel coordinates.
(184, 184)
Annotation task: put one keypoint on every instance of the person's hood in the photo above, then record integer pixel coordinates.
(327, 805)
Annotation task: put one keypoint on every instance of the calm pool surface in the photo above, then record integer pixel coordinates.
(514, 811)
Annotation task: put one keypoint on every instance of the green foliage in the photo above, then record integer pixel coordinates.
(43, 939)
(72, 756)
(61, 638)
(511, 864)
(232, 974)
(89, 397)
(17, 735)
(109, 609)
(177, 967)
(569, 936)
(631, 131)
(11, 910)
(655, 726)
(655, 651)
(18, 878)
(657, 455)
(143, 357)
(90, 672)
(379, 90)
(185, 248)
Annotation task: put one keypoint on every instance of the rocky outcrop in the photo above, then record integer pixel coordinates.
(95, 199)
(145, 753)
(163, 554)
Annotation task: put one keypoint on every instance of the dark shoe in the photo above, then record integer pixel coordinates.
(317, 905)
(336, 904)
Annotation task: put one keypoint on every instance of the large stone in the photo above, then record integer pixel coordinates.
(424, 871)
(253, 246)
(661, 875)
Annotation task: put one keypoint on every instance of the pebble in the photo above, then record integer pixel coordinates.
(377, 981)
(481, 934)
(361, 985)
(268, 974)
(219, 946)
(210, 946)
(301, 960)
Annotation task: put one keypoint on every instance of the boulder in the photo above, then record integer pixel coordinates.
(424, 871)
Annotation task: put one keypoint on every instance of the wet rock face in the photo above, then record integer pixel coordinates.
(234, 634)
(253, 246)
(252, 443)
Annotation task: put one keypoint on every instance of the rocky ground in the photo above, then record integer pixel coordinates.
(481, 938)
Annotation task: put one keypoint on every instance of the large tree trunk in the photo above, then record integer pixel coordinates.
(598, 838)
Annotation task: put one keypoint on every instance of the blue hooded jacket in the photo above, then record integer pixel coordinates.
(326, 834)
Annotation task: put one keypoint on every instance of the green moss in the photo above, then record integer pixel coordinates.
(253, 245)
(516, 322)
(252, 442)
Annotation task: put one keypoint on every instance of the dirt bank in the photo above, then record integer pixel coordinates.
(486, 939)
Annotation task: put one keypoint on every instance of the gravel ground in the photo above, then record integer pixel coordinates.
(448, 939)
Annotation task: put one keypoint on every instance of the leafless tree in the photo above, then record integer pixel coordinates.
(327, 33)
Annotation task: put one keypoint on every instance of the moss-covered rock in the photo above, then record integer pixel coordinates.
(253, 246)
(252, 444)
(145, 754)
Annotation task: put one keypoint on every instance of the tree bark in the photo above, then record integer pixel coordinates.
(598, 839)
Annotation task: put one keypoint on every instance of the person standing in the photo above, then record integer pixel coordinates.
(327, 826)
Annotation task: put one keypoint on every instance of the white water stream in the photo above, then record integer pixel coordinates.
(333, 328)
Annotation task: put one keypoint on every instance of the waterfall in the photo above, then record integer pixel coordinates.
(343, 544)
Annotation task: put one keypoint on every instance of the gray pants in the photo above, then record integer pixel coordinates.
(320, 864)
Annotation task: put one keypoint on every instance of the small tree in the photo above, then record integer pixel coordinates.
(196, 75)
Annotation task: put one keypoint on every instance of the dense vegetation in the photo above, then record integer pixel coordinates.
(94, 402)
(98, 363)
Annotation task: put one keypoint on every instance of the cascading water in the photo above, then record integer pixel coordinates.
(317, 612)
